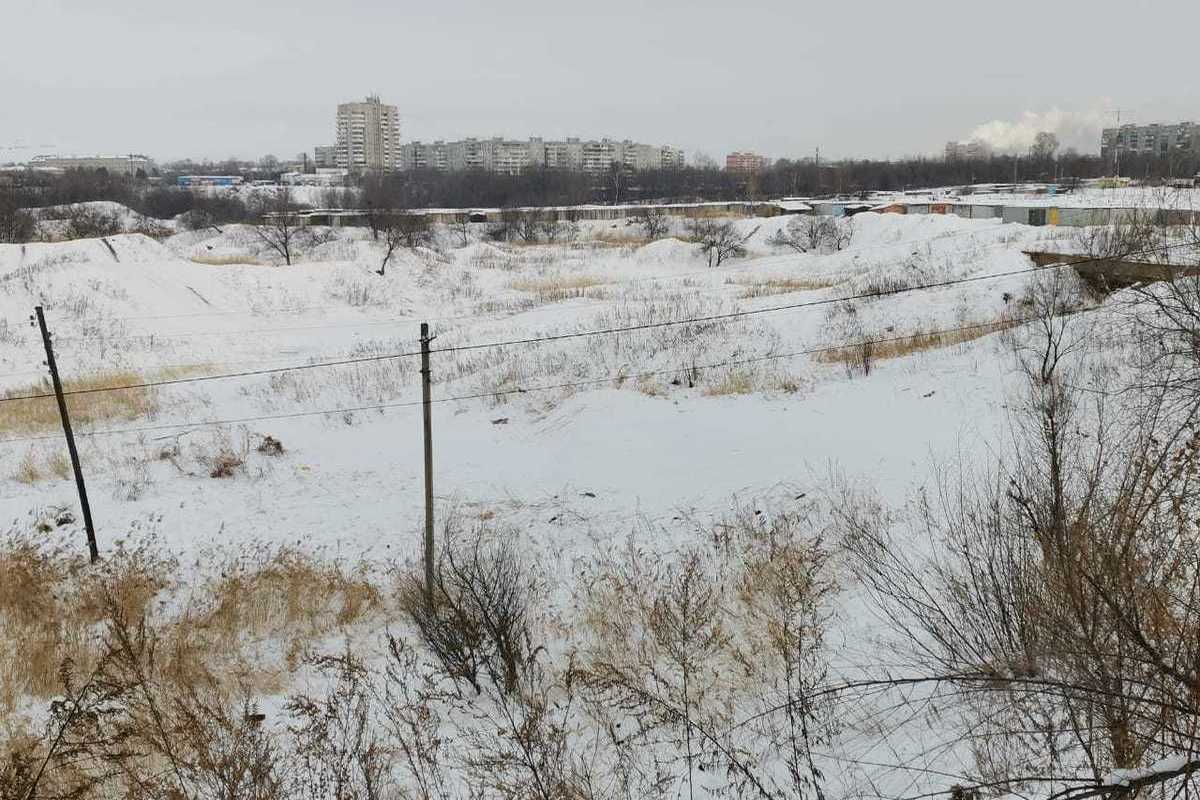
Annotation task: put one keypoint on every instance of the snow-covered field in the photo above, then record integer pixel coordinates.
(642, 445)
(577, 442)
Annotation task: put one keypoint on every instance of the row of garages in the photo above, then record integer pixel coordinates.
(356, 217)
(1067, 216)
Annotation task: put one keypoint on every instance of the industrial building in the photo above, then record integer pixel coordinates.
(368, 136)
(208, 181)
(130, 165)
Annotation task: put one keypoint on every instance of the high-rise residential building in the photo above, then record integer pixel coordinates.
(368, 136)
(745, 162)
(1152, 140)
(513, 156)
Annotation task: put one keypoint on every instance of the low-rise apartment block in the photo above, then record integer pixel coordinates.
(1152, 140)
(512, 156)
(745, 162)
(129, 165)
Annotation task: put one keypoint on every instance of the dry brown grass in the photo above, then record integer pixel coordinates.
(286, 590)
(35, 467)
(41, 414)
(765, 286)
(51, 602)
(731, 383)
(907, 345)
(246, 622)
(227, 261)
(29, 471)
(557, 288)
(622, 238)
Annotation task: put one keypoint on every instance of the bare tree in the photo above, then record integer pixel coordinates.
(841, 233)
(719, 240)
(809, 234)
(16, 224)
(403, 229)
(655, 222)
(278, 224)
(530, 225)
(461, 225)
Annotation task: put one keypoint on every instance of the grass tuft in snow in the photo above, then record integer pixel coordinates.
(870, 350)
(760, 286)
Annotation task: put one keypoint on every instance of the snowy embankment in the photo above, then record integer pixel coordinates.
(580, 443)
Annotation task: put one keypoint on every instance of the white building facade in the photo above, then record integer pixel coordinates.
(368, 136)
(513, 156)
(129, 165)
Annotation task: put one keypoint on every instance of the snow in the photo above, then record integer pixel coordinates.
(574, 468)
(1164, 766)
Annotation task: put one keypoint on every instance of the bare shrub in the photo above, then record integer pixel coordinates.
(478, 623)
(654, 222)
(412, 703)
(736, 620)
(270, 446)
(83, 222)
(813, 234)
(225, 464)
(1057, 587)
(718, 240)
(340, 752)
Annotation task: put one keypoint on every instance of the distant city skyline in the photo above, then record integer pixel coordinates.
(872, 79)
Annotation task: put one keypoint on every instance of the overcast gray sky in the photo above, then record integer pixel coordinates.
(217, 78)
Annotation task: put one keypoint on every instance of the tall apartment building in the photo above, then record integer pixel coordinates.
(1153, 140)
(513, 156)
(368, 136)
(745, 162)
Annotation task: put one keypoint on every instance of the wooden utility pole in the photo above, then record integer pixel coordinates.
(428, 413)
(93, 550)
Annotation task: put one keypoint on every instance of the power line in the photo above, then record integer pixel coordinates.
(223, 376)
(794, 306)
(988, 327)
(604, 331)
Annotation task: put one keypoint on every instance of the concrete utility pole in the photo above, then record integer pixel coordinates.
(428, 425)
(93, 549)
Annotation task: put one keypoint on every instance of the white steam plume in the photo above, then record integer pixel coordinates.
(1077, 129)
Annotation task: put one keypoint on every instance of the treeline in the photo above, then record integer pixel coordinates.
(545, 187)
